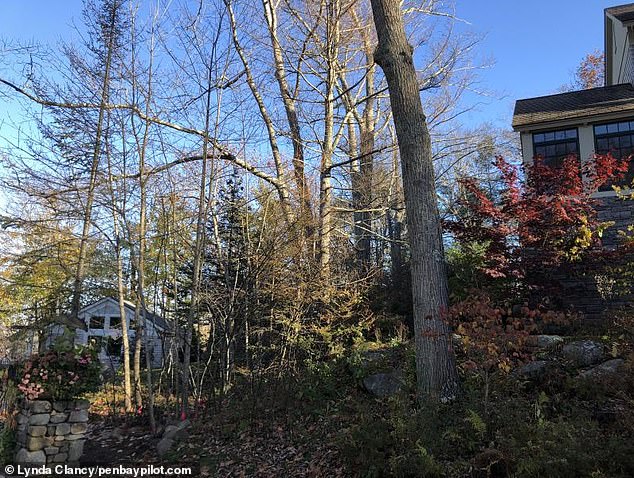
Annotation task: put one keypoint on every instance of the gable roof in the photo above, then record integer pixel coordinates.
(574, 104)
(623, 13)
(154, 318)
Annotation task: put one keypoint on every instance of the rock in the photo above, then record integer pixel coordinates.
(78, 416)
(82, 404)
(51, 450)
(77, 428)
(25, 457)
(62, 405)
(58, 417)
(37, 431)
(40, 406)
(611, 367)
(62, 429)
(76, 450)
(117, 433)
(38, 443)
(549, 341)
(21, 419)
(583, 353)
(533, 370)
(60, 458)
(383, 384)
(39, 419)
(74, 437)
(175, 433)
(164, 446)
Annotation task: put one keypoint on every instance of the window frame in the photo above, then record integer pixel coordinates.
(607, 135)
(103, 322)
(554, 142)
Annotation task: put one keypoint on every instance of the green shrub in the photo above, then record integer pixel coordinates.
(7, 445)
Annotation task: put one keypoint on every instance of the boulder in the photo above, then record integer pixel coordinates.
(60, 458)
(62, 429)
(75, 450)
(164, 446)
(533, 370)
(611, 367)
(82, 404)
(583, 353)
(78, 416)
(39, 419)
(38, 443)
(175, 433)
(383, 384)
(549, 341)
(37, 431)
(77, 428)
(25, 457)
(51, 450)
(40, 406)
(62, 405)
(57, 417)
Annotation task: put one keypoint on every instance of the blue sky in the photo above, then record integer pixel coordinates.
(535, 45)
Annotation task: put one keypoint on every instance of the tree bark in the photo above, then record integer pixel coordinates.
(435, 365)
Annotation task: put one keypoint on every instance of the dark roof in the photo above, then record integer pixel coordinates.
(574, 104)
(624, 13)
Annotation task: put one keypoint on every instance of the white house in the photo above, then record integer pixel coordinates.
(103, 325)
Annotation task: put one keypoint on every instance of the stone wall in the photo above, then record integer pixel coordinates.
(588, 290)
(51, 432)
(618, 210)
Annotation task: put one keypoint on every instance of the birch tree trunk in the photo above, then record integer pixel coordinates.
(435, 365)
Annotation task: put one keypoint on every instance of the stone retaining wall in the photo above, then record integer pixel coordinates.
(51, 432)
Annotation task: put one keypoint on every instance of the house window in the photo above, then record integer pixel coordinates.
(115, 322)
(554, 146)
(114, 346)
(97, 322)
(618, 139)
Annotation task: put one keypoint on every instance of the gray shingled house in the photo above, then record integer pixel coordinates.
(597, 120)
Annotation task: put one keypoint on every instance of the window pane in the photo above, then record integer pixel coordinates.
(613, 128)
(602, 145)
(600, 129)
(538, 138)
(549, 136)
(559, 135)
(613, 143)
(561, 149)
(626, 142)
(571, 147)
(551, 150)
(540, 150)
(96, 322)
(623, 127)
(115, 322)
(571, 133)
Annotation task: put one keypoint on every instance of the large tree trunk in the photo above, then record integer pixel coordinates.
(435, 364)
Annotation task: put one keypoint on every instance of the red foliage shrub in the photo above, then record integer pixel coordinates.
(535, 225)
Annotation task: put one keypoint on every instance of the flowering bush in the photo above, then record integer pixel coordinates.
(60, 374)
